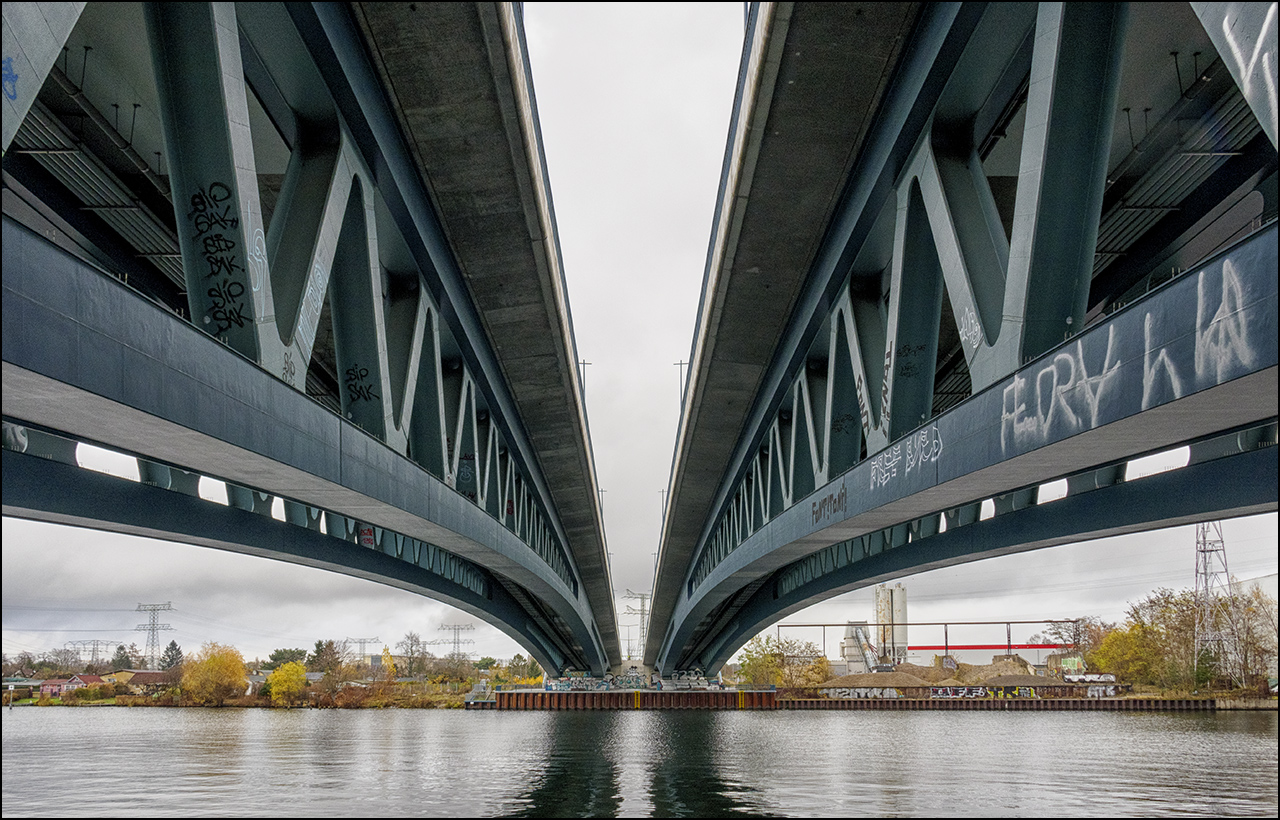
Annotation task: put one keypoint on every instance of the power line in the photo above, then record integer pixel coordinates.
(362, 642)
(457, 640)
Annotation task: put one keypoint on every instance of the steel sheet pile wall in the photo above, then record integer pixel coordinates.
(743, 700)
(637, 699)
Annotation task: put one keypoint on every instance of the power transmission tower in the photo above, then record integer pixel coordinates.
(153, 628)
(1215, 613)
(362, 642)
(643, 612)
(93, 645)
(457, 641)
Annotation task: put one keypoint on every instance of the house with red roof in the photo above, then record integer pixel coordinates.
(81, 681)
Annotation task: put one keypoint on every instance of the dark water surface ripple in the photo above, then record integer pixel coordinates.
(114, 761)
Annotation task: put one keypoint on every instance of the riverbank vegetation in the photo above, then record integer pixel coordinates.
(328, 676)
(1157, 646)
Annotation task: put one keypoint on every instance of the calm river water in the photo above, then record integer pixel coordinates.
(140, 762)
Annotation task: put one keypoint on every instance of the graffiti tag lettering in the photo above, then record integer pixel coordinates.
(10, 79)
(884, 467)
(1223, 340)
(970, 330)
(831, 504)
(1065, 397)
(212, 212)
(923, 446)
(358, 389)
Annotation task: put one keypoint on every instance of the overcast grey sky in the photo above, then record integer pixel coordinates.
(634, 103)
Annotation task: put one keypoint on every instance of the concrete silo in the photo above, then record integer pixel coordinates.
(891, 615)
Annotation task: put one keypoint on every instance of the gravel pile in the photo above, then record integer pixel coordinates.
(868, 679)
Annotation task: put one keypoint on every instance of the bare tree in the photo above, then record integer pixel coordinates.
(414, 651)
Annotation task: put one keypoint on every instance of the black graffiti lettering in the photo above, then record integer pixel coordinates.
(224, 265)
(228, 309)
(357, 388)
(218, 244)
(211, 209)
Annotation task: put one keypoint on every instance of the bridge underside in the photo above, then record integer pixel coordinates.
(1239, 485)
(41, 489)
(317, 262)
(989, 277)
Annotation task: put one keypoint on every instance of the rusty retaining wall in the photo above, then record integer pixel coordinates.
(1010, 704)
(637, 699)
(536, 700)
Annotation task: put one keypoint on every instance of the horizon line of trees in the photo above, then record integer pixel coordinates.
(332, 657)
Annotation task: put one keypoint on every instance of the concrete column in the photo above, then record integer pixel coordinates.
(426, 425)
(1071, 103)
(915, 308)
(1016, 500)
(844, 415)
(355, 300)
(340, 526)
(204, 112)
(963, 515)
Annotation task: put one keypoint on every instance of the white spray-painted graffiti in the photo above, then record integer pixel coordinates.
(257, 257)
(923, 446)
(1222, 341)
(983, 692)
(1158, 371)
(859, 692)
(1066, 396)
(959, 692)
(309, 315)
(912, 452)
(884, 467)
(1103, 691)
(970, 330)
(1245, 67)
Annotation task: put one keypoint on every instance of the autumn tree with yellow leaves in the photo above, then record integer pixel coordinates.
(288, 683)
(215, 674)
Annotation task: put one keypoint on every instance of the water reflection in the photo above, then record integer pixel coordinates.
(689, 759)
(220, 762)
(581, 774)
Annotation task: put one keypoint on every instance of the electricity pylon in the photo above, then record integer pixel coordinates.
(153, 628)
(1215, 610)
(643, 612)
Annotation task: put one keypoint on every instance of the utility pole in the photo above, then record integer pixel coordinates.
(1215, 613)
(362, 642)
(153, 628)
(682, 364)
(643, 612)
